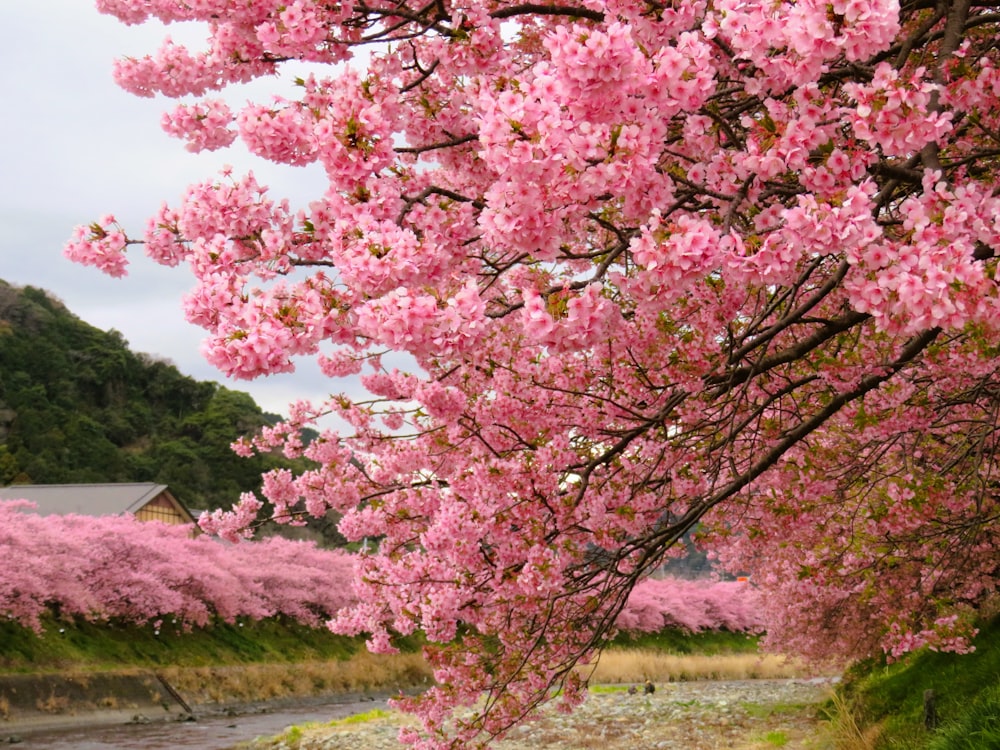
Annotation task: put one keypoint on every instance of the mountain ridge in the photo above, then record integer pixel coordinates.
(78, 405)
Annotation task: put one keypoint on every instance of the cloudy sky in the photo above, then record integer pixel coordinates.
(74, 147)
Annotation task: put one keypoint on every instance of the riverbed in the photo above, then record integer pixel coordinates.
(700, 715)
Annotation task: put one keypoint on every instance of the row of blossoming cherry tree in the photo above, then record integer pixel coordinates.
(118, 569)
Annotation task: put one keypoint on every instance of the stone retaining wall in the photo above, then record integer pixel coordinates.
(49, 701)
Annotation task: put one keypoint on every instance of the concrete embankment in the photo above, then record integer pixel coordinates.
(51, 701)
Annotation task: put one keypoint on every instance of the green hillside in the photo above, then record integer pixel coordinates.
(76, 405)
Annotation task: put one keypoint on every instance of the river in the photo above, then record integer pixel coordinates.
(210, 732)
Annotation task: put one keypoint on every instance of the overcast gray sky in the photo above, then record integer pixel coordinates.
(73, 146)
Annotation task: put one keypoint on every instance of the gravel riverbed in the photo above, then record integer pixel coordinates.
(704, 715)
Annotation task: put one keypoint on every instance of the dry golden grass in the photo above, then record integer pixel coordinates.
(366, 672)
(843, 730)
(629, 666)
(363, 672)
(54, 704)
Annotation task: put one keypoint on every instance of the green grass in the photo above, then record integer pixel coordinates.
(607, 689)
(966, 690)
(776, 738)
(707, 643)
(978, 728)
(292, 737)
(98, 646)
(373, 715)
(768, 710)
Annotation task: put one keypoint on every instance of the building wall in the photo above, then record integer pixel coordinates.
(160, 509)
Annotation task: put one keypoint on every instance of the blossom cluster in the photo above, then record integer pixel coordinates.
(204, 125)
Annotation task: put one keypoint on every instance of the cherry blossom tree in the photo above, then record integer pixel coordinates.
(692, 606)
(656, 265)
(118, 568)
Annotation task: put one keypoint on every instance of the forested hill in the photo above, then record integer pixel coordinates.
(76, 405)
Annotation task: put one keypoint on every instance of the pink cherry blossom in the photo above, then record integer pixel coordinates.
(203, 125)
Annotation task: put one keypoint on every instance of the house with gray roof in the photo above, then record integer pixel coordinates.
(144, 500)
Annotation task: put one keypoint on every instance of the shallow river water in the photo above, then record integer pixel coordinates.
(212, 732)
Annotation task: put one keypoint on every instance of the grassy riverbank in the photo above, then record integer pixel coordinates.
(224, 664)
(881, 707)
(260, 661)
(87, 646)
